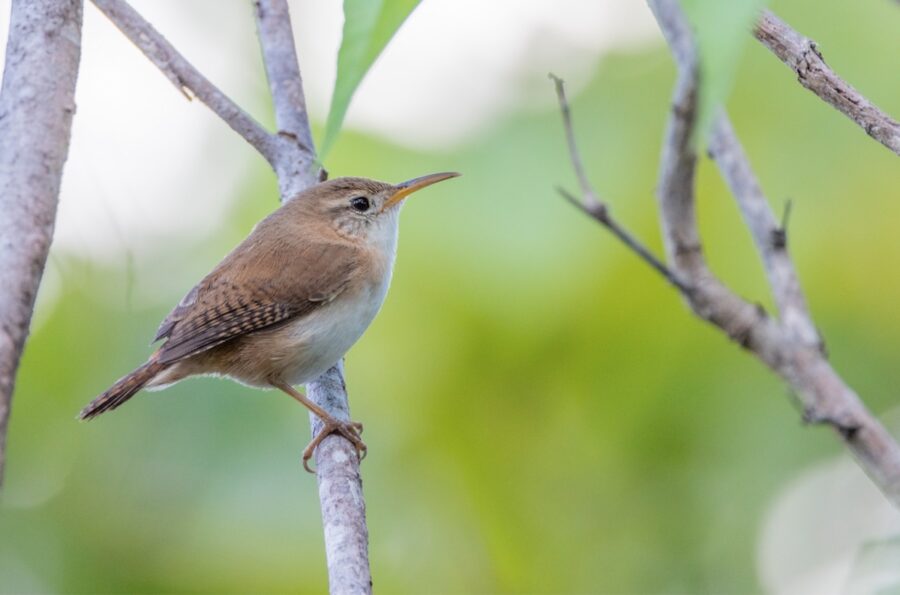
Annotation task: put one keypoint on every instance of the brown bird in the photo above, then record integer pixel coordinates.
(288, 302)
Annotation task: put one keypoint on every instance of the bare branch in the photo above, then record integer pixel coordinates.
(823, 394)
(596, 208)
(280, 57)
(678, 163)
(340, 492)
(803, 57)
(586, 189)
(744, 323)
(337, 467)
(602, 215)
(37, 103)
(295, 164)
(185, 77)
(770, 239)
(790, 347)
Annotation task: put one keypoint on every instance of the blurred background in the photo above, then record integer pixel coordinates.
(542, 413)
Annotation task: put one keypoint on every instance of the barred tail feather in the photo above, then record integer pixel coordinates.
(122, 390)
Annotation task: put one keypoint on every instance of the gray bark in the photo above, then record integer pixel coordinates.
(37, 102)
(802, 55)
(789, 344)
(340, 492)
(337, 464)
(296, 168)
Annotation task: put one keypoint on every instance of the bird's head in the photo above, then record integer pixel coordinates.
(363, 209)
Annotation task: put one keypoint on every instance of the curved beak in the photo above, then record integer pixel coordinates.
(404, 189)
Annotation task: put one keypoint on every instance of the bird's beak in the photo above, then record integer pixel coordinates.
(404, 189)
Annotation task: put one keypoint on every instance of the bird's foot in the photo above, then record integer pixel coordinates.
(348, 429)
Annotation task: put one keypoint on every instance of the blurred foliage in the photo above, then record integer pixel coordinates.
(368, 27)
(720, 30)
(542, 413)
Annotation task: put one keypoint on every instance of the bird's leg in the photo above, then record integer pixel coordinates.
(348, 429)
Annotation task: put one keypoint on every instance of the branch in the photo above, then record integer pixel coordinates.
(744, 323)
(292, 155)
(823, 394)
(36, 108)
(337, 464)
(591, 205)
(276, 39)
(340, 491)
(770, 237)
(295, 165)
(803, 57)
(186, 78)
(790, 346)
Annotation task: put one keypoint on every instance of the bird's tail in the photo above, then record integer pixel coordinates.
(123, 389)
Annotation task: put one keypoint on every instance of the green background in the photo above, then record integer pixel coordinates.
(542, 413)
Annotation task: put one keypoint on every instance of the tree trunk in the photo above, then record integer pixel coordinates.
(37, 102)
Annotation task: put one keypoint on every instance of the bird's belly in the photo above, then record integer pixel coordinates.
(303, 349)
(317, 342)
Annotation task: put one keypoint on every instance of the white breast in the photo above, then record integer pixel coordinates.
(322, 338)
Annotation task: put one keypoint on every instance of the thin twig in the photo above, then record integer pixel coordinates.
(186, 77)
(36, 108)
(770, 239)
(603, 217)
(592, 205)
(586, 189)
(785, 219)
(802, 55)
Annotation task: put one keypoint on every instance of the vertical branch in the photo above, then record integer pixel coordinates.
(337, 464)
(340, 491)
(36, 108)
(295, 168)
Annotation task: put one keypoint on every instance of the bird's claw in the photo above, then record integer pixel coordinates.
(348, 429)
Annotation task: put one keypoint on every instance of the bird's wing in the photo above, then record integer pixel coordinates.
(252, 289)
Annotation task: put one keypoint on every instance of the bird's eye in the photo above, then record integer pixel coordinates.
(360, 204)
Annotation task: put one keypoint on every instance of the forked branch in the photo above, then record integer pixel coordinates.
(789, 344)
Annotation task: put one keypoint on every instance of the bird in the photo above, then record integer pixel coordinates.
(287, 303)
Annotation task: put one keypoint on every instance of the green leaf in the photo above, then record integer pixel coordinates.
(721, 29)
(368, 26)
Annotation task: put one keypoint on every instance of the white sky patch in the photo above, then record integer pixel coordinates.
(455, 65)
